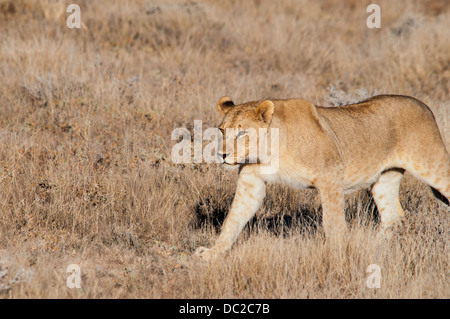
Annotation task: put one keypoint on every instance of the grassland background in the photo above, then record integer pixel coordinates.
(85, 122)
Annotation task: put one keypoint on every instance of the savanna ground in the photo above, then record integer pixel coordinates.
(86, 117)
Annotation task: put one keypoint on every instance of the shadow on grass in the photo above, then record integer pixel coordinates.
(302, 220)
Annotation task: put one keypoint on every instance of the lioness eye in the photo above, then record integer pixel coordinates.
(241, 133)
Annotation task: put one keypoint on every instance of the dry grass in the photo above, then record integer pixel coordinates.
(85, 170)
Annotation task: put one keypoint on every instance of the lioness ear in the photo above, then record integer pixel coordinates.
(264, 111)
(224, 104)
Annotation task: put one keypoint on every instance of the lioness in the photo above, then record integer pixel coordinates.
(336, 150)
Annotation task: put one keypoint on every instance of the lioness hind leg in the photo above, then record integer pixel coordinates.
(435, 172)
(386, 195)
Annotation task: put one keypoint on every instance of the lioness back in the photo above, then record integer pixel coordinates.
(384, 132)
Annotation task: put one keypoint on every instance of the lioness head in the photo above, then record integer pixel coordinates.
(242, 127)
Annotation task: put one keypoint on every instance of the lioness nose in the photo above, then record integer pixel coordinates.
(223, 155)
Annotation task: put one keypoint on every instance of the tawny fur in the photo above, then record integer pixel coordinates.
(337, 151)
